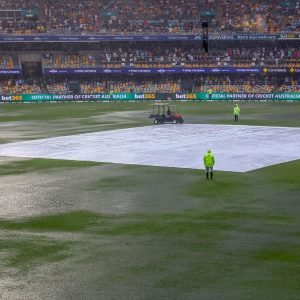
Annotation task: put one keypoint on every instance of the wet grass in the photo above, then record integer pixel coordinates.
(112, 182)
(190, 222)
(242, 242)
(31, 165)
(186, 252)
(252, 113)
(66, 222)
(238, 240)
(25, 254)
(280, 253)
(66, 110)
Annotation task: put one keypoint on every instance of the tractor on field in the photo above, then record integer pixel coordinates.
(166, 113)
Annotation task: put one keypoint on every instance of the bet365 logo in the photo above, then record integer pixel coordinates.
(11, 98)
(186, 96)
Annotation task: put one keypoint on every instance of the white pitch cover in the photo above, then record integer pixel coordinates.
(236, 148)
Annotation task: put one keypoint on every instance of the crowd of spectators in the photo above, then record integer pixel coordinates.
(247, 84)
(53, 86)
(20, 86)
(131, 86)
(195, 57)
(142, 16)
(69, 60)
(7, 61)
(291, 85)
(260, 16)
(163, 57)
(230, 85)
(104, 16)
(17, 86)
(221, 84)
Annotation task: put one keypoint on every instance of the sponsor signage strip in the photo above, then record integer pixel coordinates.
(66, 71)
(53, 71)
(149, 96)
(10, 71)
(188, 37)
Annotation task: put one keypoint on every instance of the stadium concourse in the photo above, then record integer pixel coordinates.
(180, 146)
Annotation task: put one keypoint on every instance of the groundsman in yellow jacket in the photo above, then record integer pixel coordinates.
(209, 161)
(236, 112)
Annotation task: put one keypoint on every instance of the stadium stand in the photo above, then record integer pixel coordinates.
(246, 84)
(290, 85)
(138, 16)
(227, 84)
(52, 86)
(20, 86)
(156, 56)
(66, 60)
(143, 86)
(8, 61)
(259, 16)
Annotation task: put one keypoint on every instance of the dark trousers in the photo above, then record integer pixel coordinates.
(209, 170)
(236, 118)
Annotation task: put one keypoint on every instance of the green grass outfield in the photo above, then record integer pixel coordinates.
(149, 232)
